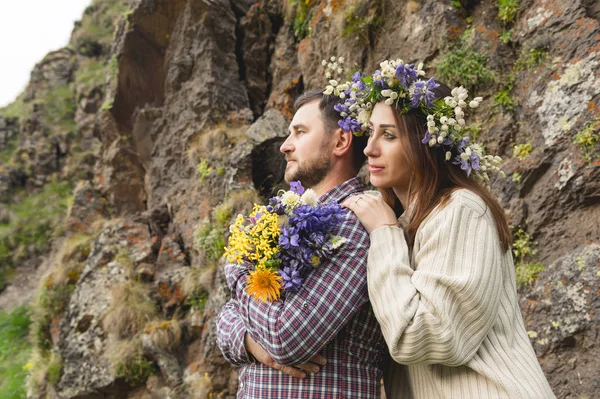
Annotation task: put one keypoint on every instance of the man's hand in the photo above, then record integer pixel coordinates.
(261, 355)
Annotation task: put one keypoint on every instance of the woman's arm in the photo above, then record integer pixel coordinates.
(442, 311)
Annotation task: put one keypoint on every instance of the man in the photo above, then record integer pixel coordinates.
(322, 341)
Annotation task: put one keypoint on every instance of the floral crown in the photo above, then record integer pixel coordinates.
(406, 87)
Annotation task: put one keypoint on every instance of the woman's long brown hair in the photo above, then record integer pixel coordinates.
(433, 178)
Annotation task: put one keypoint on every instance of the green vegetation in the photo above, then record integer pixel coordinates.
(507, 9)
(465, 65)
(361, 20)
(503, 98)
(208, 238)
(7, 153)
(59, 109)
(506, 36)
(203, 170)
(14, 352)
(587, 138)
(136, 368)
(531, 58)
(302, 11)
(197, 300)
(16, 109)
(522, 151)
(90, 74)
(97, 25)
(526, 272)
(517, 177)
(34, 219)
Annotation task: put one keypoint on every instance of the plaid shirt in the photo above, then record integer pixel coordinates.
(330, 315)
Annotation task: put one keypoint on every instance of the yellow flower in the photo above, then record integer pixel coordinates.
(264, 284)
(315, 260)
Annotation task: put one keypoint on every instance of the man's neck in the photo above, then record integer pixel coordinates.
(330, 181)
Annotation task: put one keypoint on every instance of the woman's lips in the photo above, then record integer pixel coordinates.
(375, 168)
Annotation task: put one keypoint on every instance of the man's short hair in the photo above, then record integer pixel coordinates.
(330, 119)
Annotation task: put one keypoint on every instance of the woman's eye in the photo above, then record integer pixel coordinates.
(388, 135)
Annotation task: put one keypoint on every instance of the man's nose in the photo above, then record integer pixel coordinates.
(286, 146)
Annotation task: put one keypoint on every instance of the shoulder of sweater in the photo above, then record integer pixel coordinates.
(460, 200)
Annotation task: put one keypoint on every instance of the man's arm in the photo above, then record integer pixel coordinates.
(230, 335)
(297, 327)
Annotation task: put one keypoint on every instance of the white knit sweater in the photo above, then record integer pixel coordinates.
(450, 312)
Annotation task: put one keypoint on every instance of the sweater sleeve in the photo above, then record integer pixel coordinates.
(441, 311)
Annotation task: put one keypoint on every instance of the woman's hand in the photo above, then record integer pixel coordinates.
(371, 210)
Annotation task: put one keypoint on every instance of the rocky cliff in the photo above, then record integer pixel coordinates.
(131, 149)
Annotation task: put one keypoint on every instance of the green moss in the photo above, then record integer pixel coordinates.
(531, 58)
(507, 9)
(465, 66)
(15, 350)
(303, 13)
(522, 245)
(361, 21)
(107, 105)
(527, 273)
(517, 177)
(90, 74)
(503, 97)
(16, 109)
(8, 152)
(209, 240)
(197, 300)
(522, 151)
(203, 170)
(506, 36)
(34, 220)
(59, 108)
(54, 369)
(97, 26)
(136, 369)
(223, 214)
(587, 138)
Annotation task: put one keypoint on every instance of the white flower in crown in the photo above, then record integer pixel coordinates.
(309, 198)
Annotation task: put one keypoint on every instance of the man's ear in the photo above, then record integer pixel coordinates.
(343, 142)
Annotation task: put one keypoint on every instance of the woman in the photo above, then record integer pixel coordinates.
(442, 283)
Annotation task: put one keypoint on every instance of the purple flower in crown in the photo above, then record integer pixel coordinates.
(349, 124)
(341, 107)
(406, 74)
(296, 187)
(379, 80)
(423, 92)
(291, 279)
(426, 138)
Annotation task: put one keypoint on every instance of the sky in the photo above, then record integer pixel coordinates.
(30, 29)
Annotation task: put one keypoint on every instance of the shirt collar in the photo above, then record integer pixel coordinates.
(342, 191)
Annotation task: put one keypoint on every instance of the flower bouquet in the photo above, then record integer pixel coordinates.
(281, 243)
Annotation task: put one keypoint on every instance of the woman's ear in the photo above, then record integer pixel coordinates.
(343, 142)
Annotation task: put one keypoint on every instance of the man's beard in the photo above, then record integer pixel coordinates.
(311, 174)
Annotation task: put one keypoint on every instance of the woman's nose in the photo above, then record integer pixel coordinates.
(371, 148)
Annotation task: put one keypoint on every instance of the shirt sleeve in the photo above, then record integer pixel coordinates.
(230, 335)
(441, 311)
(296, 327)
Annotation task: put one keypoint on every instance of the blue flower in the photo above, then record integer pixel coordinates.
(422, 92)
(379, 80)
(292, 281)
(296, 187)
(349, 124)
(406, 75)
(426, 138)
(339, 107)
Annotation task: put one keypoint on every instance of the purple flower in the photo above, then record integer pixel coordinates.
(340, 107)
(296, 187)
(288, 238)
(406, 75)
(422, 92)
(292, 281)
(349, 124)
(378, 80)
(426, 138)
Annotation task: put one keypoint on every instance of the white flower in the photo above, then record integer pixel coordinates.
(461, 103)
(332, 59)
(363, 116)
(340, 70)
(445, 128)
(432, 142)
(431, 124)
(309, 197)
(430, 117)
(478, 99)
(473, 104)
(389, 101)
(328, 75)
(448, 155)
(337, 241)
(290, 199)
(461, 122)
(324, 62)
(341, 60)
(394, 95)
(443, 119)
(333, 82)
(440, 139)
(451, 121)
(386, 92)
(342, 95)
(328, 90)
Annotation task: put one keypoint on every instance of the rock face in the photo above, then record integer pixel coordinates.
(174, 122)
